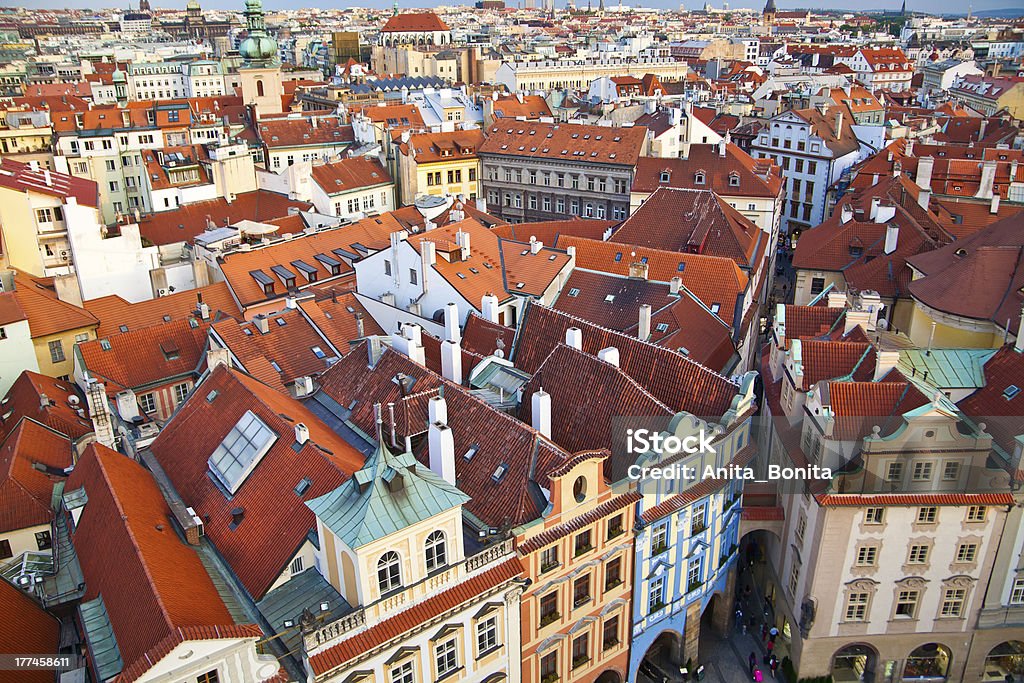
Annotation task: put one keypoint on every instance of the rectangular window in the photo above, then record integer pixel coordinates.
(549, 666)
(867, 556)
(894, 472)
(801, 525)
(549, 608)
(549, 559)
(659, 539)
(581, 591)
(874, 516)
(614, 526)
(56, 351)
(487, 634)
(582, 543)
(403, 673)
(446, 657)
(43, 540)
(656, 596)
(610, 633)
(612, 573)
(44, 216)
(1017, 592)
(856, 606)
(794, 578)
(209, 677)
(148, 403)
(180, 392)
(953, 602)
(5, 549)
(918, 554)
(906, 604)
(951, 471)
(817, 283)
(694, 573)
(922, 471)
(927, 515)
(699, 519)
(387, 267)
(976, 513)
(412, 276)
(580, 650)
(966, 552)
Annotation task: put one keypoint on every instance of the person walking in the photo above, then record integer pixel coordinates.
(773, 664)
(752, 662)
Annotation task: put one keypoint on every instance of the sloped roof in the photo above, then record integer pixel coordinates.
(25, 491)
(276, 520)
(571, 143)
(20, 177)
(27, 629)
(413, 22)
(753, 177)
(351, 174)
(1001, 411)
(46, 313)
(114, 312)
(532, 107)
(809, 321)
(25, 398)
(321, 131)
(836, 358)
(859, 406)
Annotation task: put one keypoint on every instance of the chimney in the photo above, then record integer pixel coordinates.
(721, 148)
(489, 307)
(846, 213)
(674, 285)
(48, 178)
(462, 239)
(875, 202)
(451, 361)
(428, 257)
(884, 362)
(638, 269)
(442, 450)
(839, 124)
(924, 172)
(301, 433)
(437, 410)
(836, 299)
(994, 207)
(409, 342)
(540, 412)
(215, 357)
(924, 198)
(303, 386)
(981, 129)
(609, 355)
(574, 338)
(236, 516)
(44, 401)
(988, 178)
(643, 331)
(204, 310)
(262, 323)
(886, 212)
(892, 236)
(451, 323)
(1018, 342)
(535, 246)
(360, 329)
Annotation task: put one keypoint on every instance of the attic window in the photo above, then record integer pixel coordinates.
(610, 298)
(123, 328)
(318, 352)
(682, 266)
(665, 176)
(105, 344)
(618, 257)
(303, 486)
(574, 292)
(1011, 391)
(520, 285)
(167, 318)
(662, 327)
(240, 451)
(699, 178)
(468, 455)
(281, 322)
(734, 180)
(170, 350)
(212, 396)
(715, 308)
(500, 472)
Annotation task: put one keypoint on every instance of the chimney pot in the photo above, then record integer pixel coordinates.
(574, 338)
(540, 406)
(301, 433)
(609, 355)
(644, 326)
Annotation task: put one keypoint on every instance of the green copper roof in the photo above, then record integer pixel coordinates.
(946, 368)
(99, 634)
(390, 493)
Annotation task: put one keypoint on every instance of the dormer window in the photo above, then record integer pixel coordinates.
(699, 178)
(734, 180)
(389, 573)
(665, 176)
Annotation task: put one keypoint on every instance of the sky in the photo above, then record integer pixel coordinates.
(937, 6)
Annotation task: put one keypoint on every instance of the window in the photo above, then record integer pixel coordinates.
(437, 556)
(874, 516)
(976, 513)
(867, 556)
(857, 606)
(610, 633)
(487, 634)
(894, 472)
(582, 542)
(549, 608)
(656, 596)
(612, 573)
(43, 540)
(659, 539)
(695, 573)
(794, 578)
(403, 673)
(209, 677)
(580, 650)
(180, 392)
(296, 566)
(148, 403)
(953, 602)
(906, 604)
(918, 554)
(699, 518)
(1017, 592)
(801, 525)
(698, 178)
(446, 657)
(817, 284)
(56, 351)
(389, 575)
(927, 515)
(412, 276)
(581, 591)
(240, 451)
(615, 523)
(5, 549)
(549, 559)
(966, 552)
(922, 471)
(951, 471)
(549, 667)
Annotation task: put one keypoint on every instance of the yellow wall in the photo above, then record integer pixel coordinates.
(19, 232)
(949, 337)
(67, 338)
(24, 540)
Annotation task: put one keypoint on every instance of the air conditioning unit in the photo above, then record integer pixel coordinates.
(200, 527)
(163, 291)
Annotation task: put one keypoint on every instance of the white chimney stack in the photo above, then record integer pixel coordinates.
(892, 236)
(643, 331)
(574, 338)
(924, 172)
(609, 355)
(1018, 342)
(846, 213)
(884, 362)
(451, 361)
(535, 245)
(451, 323)
(675, 284)
(489, 307)
(301, 433)
(303, 386)
(437, 410)
(540, 405)
(994, 207)
(442, 451)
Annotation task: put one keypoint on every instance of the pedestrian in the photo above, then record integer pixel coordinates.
(774, 631)
(739, 616)
(773, 664)
(751, 662)
(770, 645)
(764, 632)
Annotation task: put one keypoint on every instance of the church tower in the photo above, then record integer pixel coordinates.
(768, 15)
(260, 74)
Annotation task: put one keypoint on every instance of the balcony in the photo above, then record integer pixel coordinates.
(546, 619)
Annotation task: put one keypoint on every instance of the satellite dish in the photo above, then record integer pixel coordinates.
(882, 324)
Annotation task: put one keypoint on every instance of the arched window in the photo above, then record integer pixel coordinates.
(389, 573)
(437, 553)
(259, 88)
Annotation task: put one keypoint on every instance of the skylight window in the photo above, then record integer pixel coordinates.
(610, 298)
(318, 352)
(1011, 391)
(715, 308)
(574, 291)
(662, 327)
(240, 451)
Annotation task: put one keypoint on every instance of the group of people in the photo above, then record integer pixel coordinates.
(770, 661)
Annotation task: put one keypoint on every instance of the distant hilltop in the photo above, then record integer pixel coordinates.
(1005, 13)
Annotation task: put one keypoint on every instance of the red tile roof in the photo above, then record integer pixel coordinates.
(914, 499)
(1003, 417)
(335, 317)
(692, 221)
(832, 359)
(46, 313)
(860, 406)
(314, 130)
(10, 309)
(114, 312)
(146, 357)
(20, 177)
(481, 336)
(350, 174)
(190, 220)
(153, 585)
(755, 177)
(531, 107)
(548, 232)
(26, 492)
(578, 522)
(27, 629)
(276, 520)
(414, 22)
(570, 143)
(443, 147)
(25, 398)
(455, 597)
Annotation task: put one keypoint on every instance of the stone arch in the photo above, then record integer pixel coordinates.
(854, 662)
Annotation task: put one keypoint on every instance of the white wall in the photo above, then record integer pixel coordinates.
(112, 265)
(16, 354)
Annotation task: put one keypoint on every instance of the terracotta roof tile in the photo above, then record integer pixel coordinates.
(27, 629)
(859, 406)
(809, 321)
(26, 492)
(114, 312)
(532, 107)
(414, 22)
(577, 143)
(914, 499)
(1003, 417)
(445, 146)
(17, 176)
(481, 336)
(833, 359)
(151, 582)
(336, 319)
(62, 401)
(548, 232)
(350, 174)
(10, 309)
(276, 520)
(46, 313)
(579, 522)
(755, 177)
(307, 130)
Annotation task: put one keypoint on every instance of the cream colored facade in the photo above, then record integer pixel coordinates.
(576, 73)
(415, 63)
(437, 178)
(17, 353)
(26, 541)
(234, 660)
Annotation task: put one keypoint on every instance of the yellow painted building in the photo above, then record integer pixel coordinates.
(439, 164)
